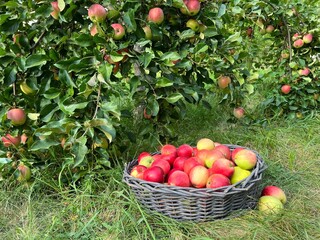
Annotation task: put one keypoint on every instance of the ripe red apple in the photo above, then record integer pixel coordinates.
(146, 161)
(224, 81)
(168, 149)
(225, 150)
(179, 178)
(189, 164)
(170, 172)
(199, 176)
(276, 192)
(169, 157)
(222, 166)
(307, 38)
(179, 163)
(295, 36)
(156, 15)
(192, 7)
(24, 173)
(157, 156)
(17, 116)
(246, 159)
(286, 89)
(148, 32)
(56, 10)
(97, 13)
(205, 143)
(298, 43)
(9, 140)
(24, 138)
(269, 205)
(137, 171)
(304, 72)
(93, 30)
(238, 112)
(217, 180)
(269, 29)
(211, 157)
(234, 151)
(118, 31)
(193, 25)
(143, 154)
(185, 150)
(154, 174)
(165, 165)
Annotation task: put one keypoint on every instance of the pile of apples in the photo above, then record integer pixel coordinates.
(208, 165)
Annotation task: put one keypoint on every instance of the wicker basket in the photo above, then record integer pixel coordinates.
(194, 204)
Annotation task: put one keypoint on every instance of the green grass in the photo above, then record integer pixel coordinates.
(105, 209)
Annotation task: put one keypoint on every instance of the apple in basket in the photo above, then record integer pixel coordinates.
(154, 174)
(222, 166)
(246, 159)
(199, 176)
(137, 171)
(217, 180)
(179, 178)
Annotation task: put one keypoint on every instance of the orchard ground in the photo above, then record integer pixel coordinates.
(105, 208)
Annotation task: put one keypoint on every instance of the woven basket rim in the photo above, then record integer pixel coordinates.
(243, 185)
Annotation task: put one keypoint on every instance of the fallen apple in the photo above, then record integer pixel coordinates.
(274, 191)
(269, 205)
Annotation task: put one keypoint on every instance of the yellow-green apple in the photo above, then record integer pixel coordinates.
(97, 13)
(156, 15)
(217, 180)
(274, 191)
(118, 31)
(224, 81)
(239, 174)
(269, 205)
(179, 178)
(269, 29)
(238, 112)
(285, 55)
(56, 10)
(304, 72)
(9, 140)
(198, 176)
(143, 154)
(24, 173)
(189, 164)
(307, 38)
(137, 171)
(296, 36)
(211, 157)
(165, 165)
(154, 174)
(285, 89)
(298, 43)
(185, 150)
(146, 161)
(246, 159)
(193, 25)
(205, 143)
(148, 32)
(191, 8)
(234, 152)
(17, 116)
(179, 163)
(93, 30)
(222, 166)
(225, 150)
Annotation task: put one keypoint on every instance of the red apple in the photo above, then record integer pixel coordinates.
(286, 89)
(170, 172)
(93, 30)
(234, 151)
(24, 173)
(238, 112)
(146, 115)
(143, 154)
(165, 165)
(295, 36)
(137, 171)
(24, 138)
(224, 81)
(205, 143)
(146, 161)
(169, 157)
(17, 116)
(225, 150)
(246, 159)
(276, 192)
(179, 163)
(9, 140)
(97, 13)
(199, 176)
(179, 178)
(298, 43)
(118, 31)
(211, 157)
(217, 180)
(156, 15)
(168, 149)
(192, 7)
(157, 156)
(56, 10)
(185, 150)
(307, 38)
(304, 72)
(269, 29)
(222, 166)
(189, 164)
(154, 174)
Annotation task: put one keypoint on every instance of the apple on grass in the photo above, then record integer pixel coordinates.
(217, 180)
(154, 174)
(222, 166)
(165, 165)
(24, 173)
(17, 116)
(199, 176)
(246, 159)
(274, 191)
(269, 205)
(179, 178)
(137, 171)
(239, 174)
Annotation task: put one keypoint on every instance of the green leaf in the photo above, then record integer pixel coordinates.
(79, 150)
(65, 78)
(234, 38)
(10, 74)
(84, 40)
(163, 82)
(249, 88)
(104, 126)
(5, 160)
(36, 60)
(43, 144)
(222, 10)
(129, 19)
(172, 56)
(174, 97)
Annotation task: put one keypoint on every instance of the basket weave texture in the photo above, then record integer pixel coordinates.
(198, 204)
